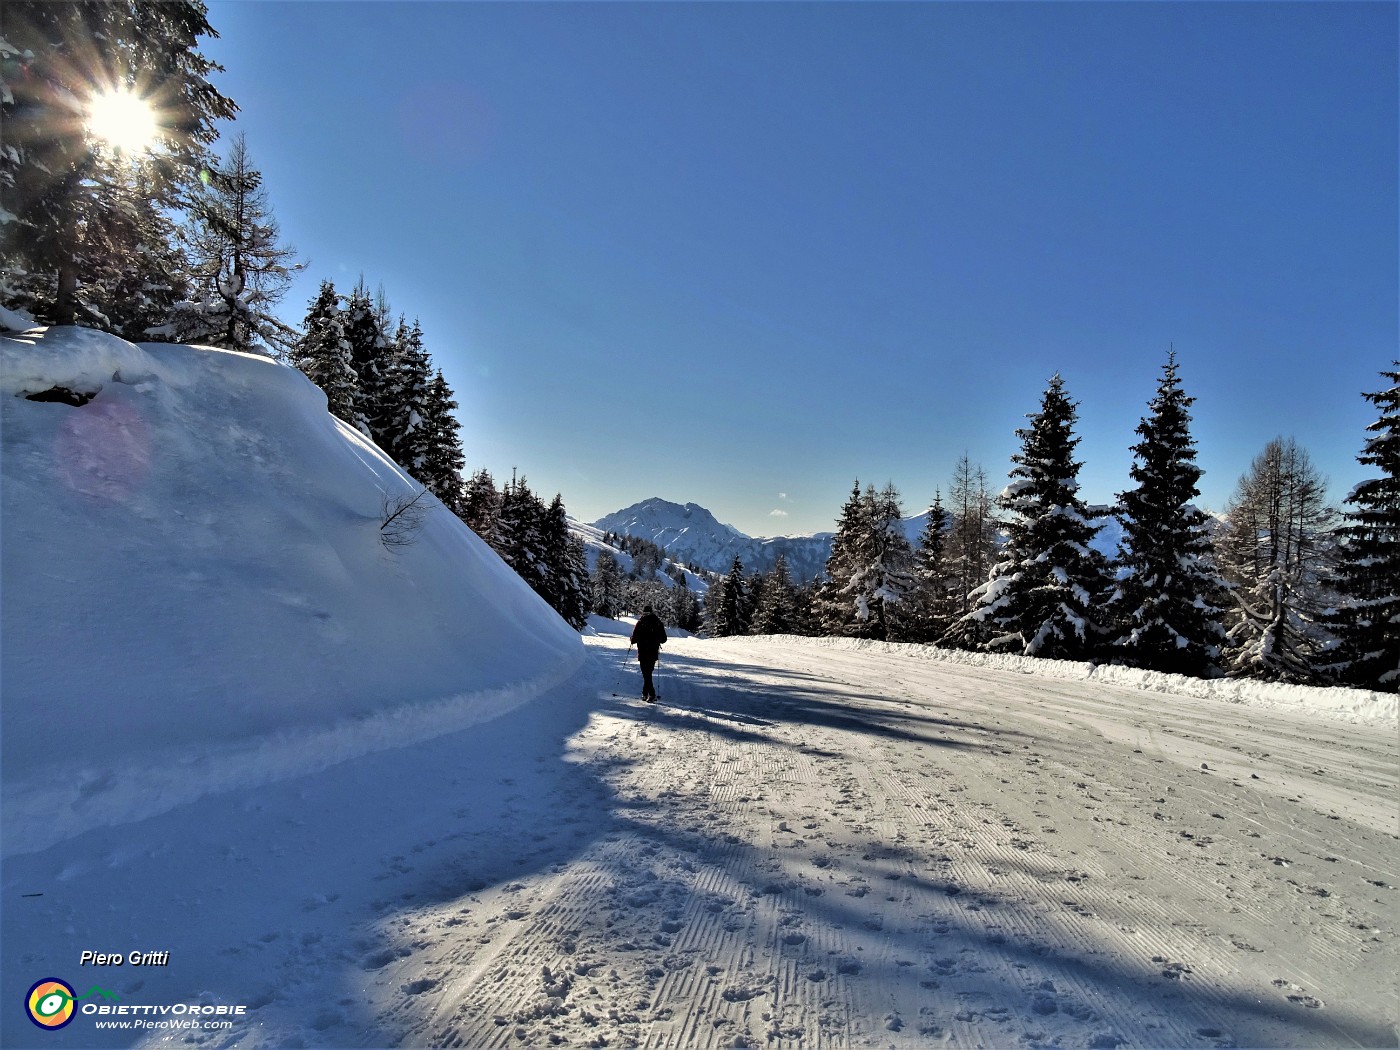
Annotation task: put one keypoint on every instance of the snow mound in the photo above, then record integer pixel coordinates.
(196, 596)
(1357, 706)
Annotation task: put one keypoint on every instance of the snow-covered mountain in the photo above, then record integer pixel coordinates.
(594, 543)
(692, 534)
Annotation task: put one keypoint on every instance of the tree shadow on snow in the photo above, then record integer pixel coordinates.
(984, 961)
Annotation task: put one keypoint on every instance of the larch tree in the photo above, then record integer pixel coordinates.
(1170, 598)
(1274, 551)
(239, 270)
(970, 550)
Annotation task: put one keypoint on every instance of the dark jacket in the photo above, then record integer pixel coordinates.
(649, 635)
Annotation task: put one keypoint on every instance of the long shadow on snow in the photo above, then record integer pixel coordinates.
(959, 932)
(963, 943)
(805, 699)
(966, 952)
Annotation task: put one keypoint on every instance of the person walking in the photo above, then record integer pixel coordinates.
(648, 636)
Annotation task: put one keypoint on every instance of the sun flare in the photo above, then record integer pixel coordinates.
(123, 120)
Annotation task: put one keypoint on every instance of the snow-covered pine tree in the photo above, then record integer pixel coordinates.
(481, 507)
(323, 354)
(804, 605)
(773, 613)
(724, 604)
(368, 352)
(1045, 594)
(884, 577)
(521, 533)
(685, 607)
(870, 570)
(933, 602)
(832, 610)
(66, 204)
(1366, 620)
(133, 290)
(1273, 549)
(607, 584)
(239, 271)
(439, 457)
(400, 424)
(1170, 599)
(566, 584)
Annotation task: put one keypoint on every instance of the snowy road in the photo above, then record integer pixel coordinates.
(804, 844)
(832, 847)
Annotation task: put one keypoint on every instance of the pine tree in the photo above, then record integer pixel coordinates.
(1045, 593)
(1273, 550)
(239, 271)
(833, 610)
(438, 456)
(402, 419)
(933, 603)
(481, 507)
(323, 353)
(773, 613)
(368, 352)
(520, 533)
(1366, 621)
(685, 607)
(566, 586)
(1170, 597)
(885, 574)
(724, 605)
(132, 290)
(71, 204)
(607, 585)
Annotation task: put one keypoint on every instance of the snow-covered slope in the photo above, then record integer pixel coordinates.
(195, 592)
(594, 543)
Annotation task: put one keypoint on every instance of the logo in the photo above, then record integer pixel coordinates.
(50, 1003)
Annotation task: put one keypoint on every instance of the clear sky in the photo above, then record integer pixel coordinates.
(740, 254)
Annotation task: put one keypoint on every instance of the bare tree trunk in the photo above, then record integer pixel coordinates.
(65, 307)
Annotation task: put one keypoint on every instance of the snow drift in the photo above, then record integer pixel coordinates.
(196, 593)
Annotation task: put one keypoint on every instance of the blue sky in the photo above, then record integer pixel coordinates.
(740, 254)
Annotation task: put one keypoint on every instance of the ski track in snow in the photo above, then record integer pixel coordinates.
(800, 846)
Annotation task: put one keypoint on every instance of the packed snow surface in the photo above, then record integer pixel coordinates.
(196, 594)
(805, 844)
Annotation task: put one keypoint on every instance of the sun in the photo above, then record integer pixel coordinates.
(123, 120)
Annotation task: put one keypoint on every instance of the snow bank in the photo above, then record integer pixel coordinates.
(196, 595)
(1359, 706)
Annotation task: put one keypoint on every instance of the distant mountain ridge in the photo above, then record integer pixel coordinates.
(692, 535)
